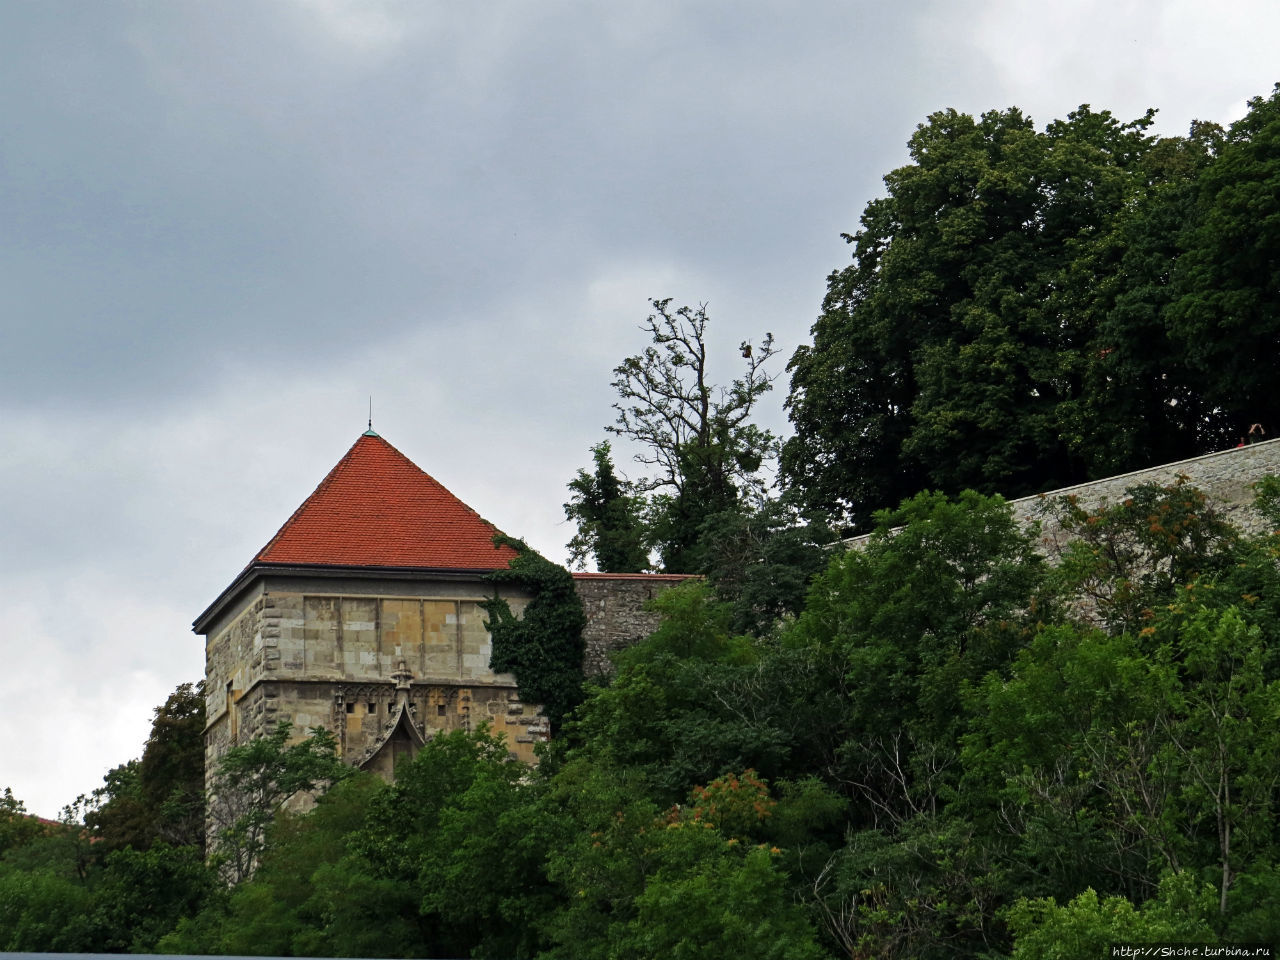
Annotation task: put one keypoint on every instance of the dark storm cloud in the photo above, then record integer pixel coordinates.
(193, 187)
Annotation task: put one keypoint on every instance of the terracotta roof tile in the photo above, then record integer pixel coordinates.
(376, 508)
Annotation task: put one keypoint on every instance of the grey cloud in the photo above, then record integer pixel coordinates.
(207, 186)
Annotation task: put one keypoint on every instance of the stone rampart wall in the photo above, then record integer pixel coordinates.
(1226, 478)
(616, 616)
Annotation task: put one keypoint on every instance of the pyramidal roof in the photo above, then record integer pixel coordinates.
(376, 508)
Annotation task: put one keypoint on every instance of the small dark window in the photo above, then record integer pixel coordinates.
(373, 706)
(351, 708)
(440, 709)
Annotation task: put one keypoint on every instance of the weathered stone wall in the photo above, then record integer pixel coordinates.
(616, 616)
(233, 661)
(364, 638)
(326, 653)
(1226, 478)
(330, 659)
(361, 714)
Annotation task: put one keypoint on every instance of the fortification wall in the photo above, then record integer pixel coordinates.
(1226, 478)
(326, 654)
(616, 616)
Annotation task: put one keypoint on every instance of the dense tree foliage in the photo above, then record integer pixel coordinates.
(609, 518)
(17, 826)
(1225, 317)
(161, 795)
(252, 784)
(1028, 309)
(126, 863)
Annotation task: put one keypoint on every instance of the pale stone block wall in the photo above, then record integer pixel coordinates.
(325, 653)
(1227, 478)
(329, 660)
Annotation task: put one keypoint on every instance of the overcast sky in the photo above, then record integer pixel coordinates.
(226, 224)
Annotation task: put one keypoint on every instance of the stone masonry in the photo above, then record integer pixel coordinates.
(320, 657)
(616, 616)
(1226, 477)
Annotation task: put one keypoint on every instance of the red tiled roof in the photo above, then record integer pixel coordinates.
(376, 508)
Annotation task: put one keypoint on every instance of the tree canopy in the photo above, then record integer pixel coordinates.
(1027, 309)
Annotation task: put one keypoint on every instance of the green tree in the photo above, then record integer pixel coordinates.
(17, 827)
(143, 894)
(939, 596)
(1114, 759)
(956, 350)
(161, 795)
(1089, 925)
(695, 701)
(45, 911)
(456, 846)
(287, 908)
(171, 773)
(928, 890)
(120, 817)
(1122, 561)
(695, 438)
(640, 883)
(608, 515)
(1224, 315)
(761, 560)
(253, 782)
(1141, 400)
(1221, 732)
(1060, 766)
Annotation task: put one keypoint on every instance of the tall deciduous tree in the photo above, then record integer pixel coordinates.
(695, 438)
(1141, 402)
(161, 795)
(1226, 314)
(941, 594)
(252, 783)
(955, 351)
(17, 826)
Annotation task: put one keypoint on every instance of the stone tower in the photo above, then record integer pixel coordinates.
(361, 615)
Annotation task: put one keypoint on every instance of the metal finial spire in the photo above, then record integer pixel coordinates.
(370, 432)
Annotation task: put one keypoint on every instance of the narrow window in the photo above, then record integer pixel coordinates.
(231, 709)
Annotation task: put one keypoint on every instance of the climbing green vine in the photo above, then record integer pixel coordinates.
(544, 646)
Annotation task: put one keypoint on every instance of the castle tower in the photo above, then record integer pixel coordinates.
(361, 615)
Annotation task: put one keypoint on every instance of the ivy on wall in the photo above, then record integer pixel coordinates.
(544, 647)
